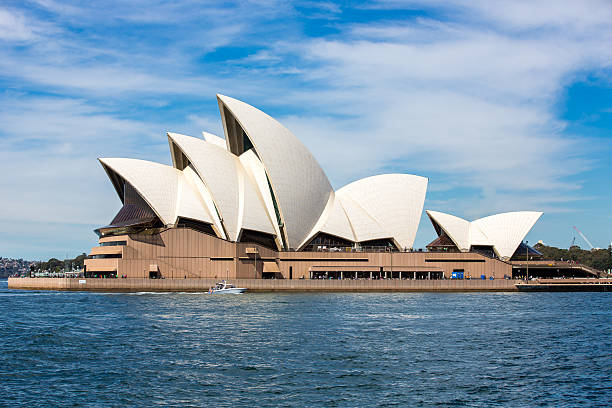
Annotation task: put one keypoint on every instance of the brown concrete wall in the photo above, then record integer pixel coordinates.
(250, 266)
(182, 252)
(262, 285)
(473, 264)
(106, 250)
(177, 252)
(109, 264)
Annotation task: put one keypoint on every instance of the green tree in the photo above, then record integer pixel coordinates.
(600, 259)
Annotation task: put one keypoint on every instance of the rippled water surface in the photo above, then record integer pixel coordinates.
(483, 349)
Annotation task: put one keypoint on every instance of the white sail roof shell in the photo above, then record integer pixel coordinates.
(235, 197)
(189, 202)
(214, 139)
(364, 226)
(504, 232)
(164, 188)
(333, 221)
(192, 177)
(478, 236)
(337, 222)
(254, 215)
(254, 168)
(394, 201)
(456, 228)
(299, 184)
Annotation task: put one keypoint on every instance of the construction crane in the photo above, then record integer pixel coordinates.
(584, 237)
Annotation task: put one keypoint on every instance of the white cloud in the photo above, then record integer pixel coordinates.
(472, 104)
(49, 156)
(14, 27)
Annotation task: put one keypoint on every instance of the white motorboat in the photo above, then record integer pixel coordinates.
(224, 287)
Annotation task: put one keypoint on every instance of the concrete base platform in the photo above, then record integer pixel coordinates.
(315, 285)
(566, 285)
(263, 285)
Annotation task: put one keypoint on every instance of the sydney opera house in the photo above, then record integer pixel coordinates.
(256, 204)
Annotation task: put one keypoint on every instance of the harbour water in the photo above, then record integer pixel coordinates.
(86, 349)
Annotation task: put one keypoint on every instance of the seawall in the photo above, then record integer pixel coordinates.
(263, 285)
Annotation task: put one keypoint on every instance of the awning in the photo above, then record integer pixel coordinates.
(271, 267)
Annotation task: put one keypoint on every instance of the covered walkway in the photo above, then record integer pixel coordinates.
(374, 273)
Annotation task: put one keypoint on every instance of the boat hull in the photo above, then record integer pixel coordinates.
(231, 291)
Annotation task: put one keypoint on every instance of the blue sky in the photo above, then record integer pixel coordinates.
(502, 105)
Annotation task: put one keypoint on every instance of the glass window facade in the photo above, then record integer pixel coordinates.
(105, 256)
(114, 243)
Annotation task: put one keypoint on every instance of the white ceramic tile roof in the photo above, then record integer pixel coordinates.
(299, 184)
(156, 183)
(164, 188)
(255, 169)
(191, 176)
(214, 139)
(395, 201)
(456, 228)
(477, 236)
(190, 203)
(232, 191)
(504, 232)
(253, 211)
(364, 226)
(217, 169)
(337, 222)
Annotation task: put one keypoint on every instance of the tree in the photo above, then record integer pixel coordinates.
(600, 259)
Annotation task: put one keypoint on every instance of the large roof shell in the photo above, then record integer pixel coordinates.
(232, 190)
(298, 183)
(394, 201)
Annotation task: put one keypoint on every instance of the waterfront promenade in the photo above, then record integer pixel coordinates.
(311, 285)
(263, 285)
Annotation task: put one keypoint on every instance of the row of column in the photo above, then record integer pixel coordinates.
(414, 275)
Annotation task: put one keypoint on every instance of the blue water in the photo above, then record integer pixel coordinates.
(332, 350)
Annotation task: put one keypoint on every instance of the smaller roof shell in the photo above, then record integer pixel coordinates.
(363, 225)
(164, 188)
(456, 228)
(338, 223)
(504, 232)
(394, 201)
